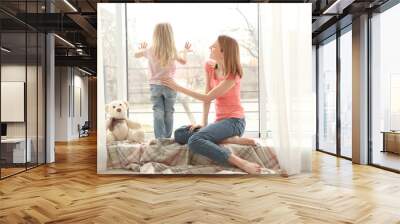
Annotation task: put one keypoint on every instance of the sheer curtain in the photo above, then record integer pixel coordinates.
(287, 81)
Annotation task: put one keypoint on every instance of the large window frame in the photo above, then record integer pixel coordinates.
(127, 69)
(381, 9)
(342, 82)
(337, 38)
(35, 123)
(184, 102)
(387, 5)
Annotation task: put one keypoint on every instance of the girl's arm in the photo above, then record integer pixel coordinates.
(182, 59)
(219, 90)
(142, 52)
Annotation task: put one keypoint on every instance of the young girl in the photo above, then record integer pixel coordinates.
(162, 56)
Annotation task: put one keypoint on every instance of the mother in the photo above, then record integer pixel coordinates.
(223, 84)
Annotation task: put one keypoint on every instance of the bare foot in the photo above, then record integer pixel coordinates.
(239, 140)
(251, 168)
(248, 167)
(284, 173)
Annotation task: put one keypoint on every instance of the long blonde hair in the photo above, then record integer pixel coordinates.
(230, 50)
(164, 44)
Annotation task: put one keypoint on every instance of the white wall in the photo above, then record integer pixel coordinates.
(61, 103)
(69, 85)
(80, 84)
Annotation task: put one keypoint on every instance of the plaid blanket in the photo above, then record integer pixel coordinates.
(165, 156)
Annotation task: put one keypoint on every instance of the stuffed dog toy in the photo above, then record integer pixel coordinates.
(119, 127)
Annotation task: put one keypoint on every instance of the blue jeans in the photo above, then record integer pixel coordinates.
(163, 99)
(205, 141)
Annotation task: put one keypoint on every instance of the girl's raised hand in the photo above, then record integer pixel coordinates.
(142, 45)
(188, 46)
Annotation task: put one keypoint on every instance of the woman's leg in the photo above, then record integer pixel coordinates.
(205, 142)
(249, 167)
(238, 140)
(182, 135)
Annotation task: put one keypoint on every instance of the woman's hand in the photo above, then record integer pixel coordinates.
(143, 46)
(170, 83)
(194, 126)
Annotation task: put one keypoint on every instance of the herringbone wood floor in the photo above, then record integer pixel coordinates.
(70, 191)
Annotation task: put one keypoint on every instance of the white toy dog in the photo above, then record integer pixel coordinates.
(119, 127)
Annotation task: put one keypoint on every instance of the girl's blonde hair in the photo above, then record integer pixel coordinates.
(164, 44)
(230, 51)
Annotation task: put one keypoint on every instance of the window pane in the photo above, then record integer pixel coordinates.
(113, 50)
(386, 88)
(41, 98)
(346, 94)
(225, 19)
(32, 97)
(327, 96)
(13, 75)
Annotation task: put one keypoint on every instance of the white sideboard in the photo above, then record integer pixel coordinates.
(18, 149)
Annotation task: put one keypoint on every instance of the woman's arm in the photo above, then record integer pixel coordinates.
(206, 110)
(206, 105)
(219, 90)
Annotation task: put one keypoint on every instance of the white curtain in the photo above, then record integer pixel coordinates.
(287, 81)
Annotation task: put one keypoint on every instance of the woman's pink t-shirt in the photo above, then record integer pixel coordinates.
(227, 105)
(157, 72)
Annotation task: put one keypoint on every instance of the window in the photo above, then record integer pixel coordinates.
(385, 85)
(113, 45)
(22, 64)
(140, 24)
(346, 94)
(327, 96)
(394, 101)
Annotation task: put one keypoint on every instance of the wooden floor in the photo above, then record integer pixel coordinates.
(10, 171)
(70, 191)
(5, 172)
(387, 159)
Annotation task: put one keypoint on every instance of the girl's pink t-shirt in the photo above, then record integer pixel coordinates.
(157, 72)
(227, 105)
